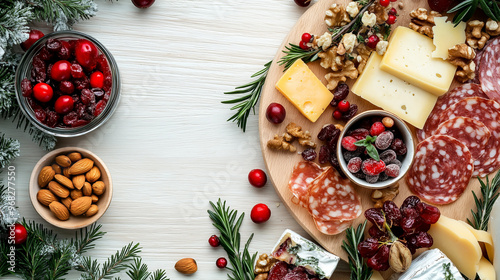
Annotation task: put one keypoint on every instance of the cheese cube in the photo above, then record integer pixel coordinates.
(446, 36)
(306, 92)
(392, 94)
(409, 57)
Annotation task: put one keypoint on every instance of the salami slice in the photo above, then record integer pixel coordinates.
(487, 112)
(331, 227)
(445, 101)
(303, 174)
(472, 133)
(332, 198)
(489, 69)
(441, 169)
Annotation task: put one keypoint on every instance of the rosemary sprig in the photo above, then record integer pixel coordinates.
(466, 9)
(228, 223)
(359, 269)
(484, 205)
(294, 52)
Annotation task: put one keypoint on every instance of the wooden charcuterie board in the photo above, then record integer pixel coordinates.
(280, 163)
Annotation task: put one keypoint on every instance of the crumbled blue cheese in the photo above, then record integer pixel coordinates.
(429, 265)
(295, 249)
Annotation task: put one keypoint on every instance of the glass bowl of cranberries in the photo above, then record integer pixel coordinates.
(67, 84)
(375, 149)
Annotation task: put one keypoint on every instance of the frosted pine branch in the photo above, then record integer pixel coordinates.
(9, 150)
(14, 28)
(63, 14)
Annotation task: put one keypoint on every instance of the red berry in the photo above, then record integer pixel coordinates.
(275, 113)
(61, 71)
(260, 213)
(33, 37)
(393, 11)
(430, 214)
(354, 164)
(337, 115)
(77, 71)
(43, 92)
(64, 104)
(97, 79)
(303, 45)
(344, 106)
(86, 53)
(143, 3)
(394, 0)
(99, 107)
(372, 167)
(302, 3)
(384, 3)
(348, 143)
(373, 41)
(392, 170)
(66, 87)
(391, 19)
(221, 262)
(257, 178)
(20, 234)
(440, 6)
(214, 241)
(377, 128)
(306, 37)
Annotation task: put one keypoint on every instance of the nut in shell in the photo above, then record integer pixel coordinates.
(98, 187)
(82, 166)
(87, 189)
(58, 190)
(75, 156)
(80, 205)
(92, 210)
(46, 175)
(78, 181)
(399, 257)
(186, 266)
(93, 175)
(59, 210)
(45, 197)
(65, 181)
(63, 161)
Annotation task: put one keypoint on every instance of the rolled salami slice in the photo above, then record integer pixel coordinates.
(489, 69)
(332, 198)
(441, 170)
(303, 174)
(331, 227)
(486, 111)
(472, 133)
(444, 102)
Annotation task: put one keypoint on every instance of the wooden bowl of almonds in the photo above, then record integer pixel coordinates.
(70, 188)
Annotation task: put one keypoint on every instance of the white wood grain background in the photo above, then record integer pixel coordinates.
(168, 146)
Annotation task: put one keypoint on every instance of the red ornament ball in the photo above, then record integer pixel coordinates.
(260, 213)
(43, 92)
(343, 106)
(214, 241)
(221, 262)
(97, 79)
(86, 53)
(61, 71)
(64, 104)
(275, 113)
(33, 37)
(257, 178)
(143, 3)
(20, 234)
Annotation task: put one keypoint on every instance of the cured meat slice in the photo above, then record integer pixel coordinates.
(303, 174)
(444, 102)
(489, 70)
(331, 227)
(472, 133)
(278, 271)
(488, 112)
(332, 198)
(441, 170)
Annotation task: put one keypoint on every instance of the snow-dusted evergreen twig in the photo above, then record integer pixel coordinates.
(62, 14)
(14, 19)
(9, 150)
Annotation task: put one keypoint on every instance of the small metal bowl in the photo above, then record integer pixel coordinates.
(407, 139)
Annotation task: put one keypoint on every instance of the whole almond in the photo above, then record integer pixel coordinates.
(59, 210)
(80, 205)
(92, 210)
(75, 156)
(45, 197)
(78, 181)
(186, 266)
(76, 194)
(95, 198)
(58, 190)
(81, 166)
(57, 168)
(66, 201)
(93, 175)
(65, 181)
(98, 187)
(87, 189)
(63, 161)
(66, 172)
(45, 176)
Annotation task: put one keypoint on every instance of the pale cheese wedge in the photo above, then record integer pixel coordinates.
(483, 237)
(486, 270)
(446, 36)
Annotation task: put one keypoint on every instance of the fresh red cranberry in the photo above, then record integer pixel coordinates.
(20, 234)
(343, 106)
(391, 19)
(303, 45)
(221, 262)
(214, 241)
(384, 3)
(260, 213)
(337, 115)
(373, 41)
(61, 70)
(440, 6)
(86, 53)
(34, 36)
(275, 113)
(393, 11)
(43, 92)
(64, 104)
(302, 3)
(143, 3)
(97, 79)
(257, 178)
(377, 128)
(306, 37)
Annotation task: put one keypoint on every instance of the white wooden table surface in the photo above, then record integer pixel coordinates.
(168, 146)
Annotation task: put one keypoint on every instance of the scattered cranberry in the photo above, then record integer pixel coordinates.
(64, 104)
(358, 133)
(348, 143)
(373, 41)
(343, 106)
(393, 11)
(349, 114)
(309, 154)
(97, 79)
(26, 87)
(142, 4)
(377, 128)
(77, 71)
(337, 115)
(354, 164)
(303, 45)
(440, 6)
(221, 262)
(20, 234)
(384, 3)
(275, 113)
(302, 3)
(34, 36)
(306, 37)
(260, 213)
(43, 92)
(67, 87)
(214, 241)
(392, 170)
(257, 178)
(61, 70)
(391, 20)
(399, 147)
(86, 53)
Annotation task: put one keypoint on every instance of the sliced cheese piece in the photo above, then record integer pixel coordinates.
(446, 36)
(306, 92)
(428, 265)
(483, 237)
(376, 276)
(458, 244)
(392, 94)
(486, 270)
(409, 57)
(494, 229)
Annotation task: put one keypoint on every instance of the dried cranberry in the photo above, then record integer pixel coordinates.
(382, 177)
(66, 87)
(392, 213)
(372, 179)
(78, 123)
(399, 147)
(358, 133)
(354, 164)
(392, 170)
(341, 92)
(380, 261)
(348, 143)
(334, 161)
(102, 63)
(52, 119)
(420, 240)
(372, 167)
(82, 83)
(368, 247)
(64, 53)
(80, 110)
(99, 107)
(348, 155)
(40, 115)
(409, 224)
(360, 175)
(324, 154)
(77, 71)
(375, 216)
(375, 232)
(388, 156)
(326, 133)
(309, 154)
(430, 214)
(353, 110)
(44, 54)
(26, 87)
(87, 96)
(384, 140)
(70, 118)
(409, 202)
(53, 45)
(332, 143)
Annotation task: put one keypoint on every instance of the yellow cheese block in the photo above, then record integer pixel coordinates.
(457, 242)
(376, 276)
(486, 270)
(392, 94)
(483, 237)
(446, 36)
(409, 57)
(306, 92)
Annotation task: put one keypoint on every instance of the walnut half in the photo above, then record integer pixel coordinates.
(422, 21)
(463, 56)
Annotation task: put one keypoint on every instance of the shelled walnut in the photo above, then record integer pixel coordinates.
(264, 264)
(463, 56)
(284, 142)
(331, 59)
(304, 137)
(281, 143)
(380, 12)
(380, 196)
(422, 21)
(348, 71)
(474, 35)
(492, 27)
(336, 16)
